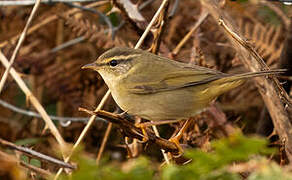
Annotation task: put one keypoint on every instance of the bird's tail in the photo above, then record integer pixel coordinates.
(235, 77)
(229, 82)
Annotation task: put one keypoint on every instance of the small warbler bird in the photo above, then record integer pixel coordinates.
(157, 88)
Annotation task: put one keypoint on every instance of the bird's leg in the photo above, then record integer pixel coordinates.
(130, 154)
(144, 125)
(144, 132)
(179, 135)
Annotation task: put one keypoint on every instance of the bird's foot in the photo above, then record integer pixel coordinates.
(143, 127)
(175, 140)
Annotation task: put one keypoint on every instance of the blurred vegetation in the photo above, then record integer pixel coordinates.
(228, 159)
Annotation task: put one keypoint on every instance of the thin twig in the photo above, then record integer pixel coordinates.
(174, 9)
(37, 115)
(105, 97)
(102, 146)
(31, 2)
(67, 44)
(164, 2)
(7, 158)
(46, 174)
(145, 4)
(35, 154)
(165, 156)
(20, 41)
(84, 131)
(201, 19)
(162, 20)
(255, 54)
(48, 20)
(35, 103)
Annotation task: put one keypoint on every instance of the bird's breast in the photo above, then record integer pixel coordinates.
(168, 105)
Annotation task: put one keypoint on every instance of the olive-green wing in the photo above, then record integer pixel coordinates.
(176, 80)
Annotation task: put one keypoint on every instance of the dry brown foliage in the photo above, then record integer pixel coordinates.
(56, 78)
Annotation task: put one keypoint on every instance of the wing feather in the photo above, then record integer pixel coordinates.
(184, 77)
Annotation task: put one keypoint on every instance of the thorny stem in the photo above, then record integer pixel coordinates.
(132, 131)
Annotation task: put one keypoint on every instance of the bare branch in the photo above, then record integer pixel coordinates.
(20, 41)
(31, 2)
(130, 130)
(34, 114)
(203, 16)
(35, 154)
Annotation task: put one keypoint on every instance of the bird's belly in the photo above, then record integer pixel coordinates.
(161, 106)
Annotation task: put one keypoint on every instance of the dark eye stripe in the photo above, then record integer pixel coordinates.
(114, 62)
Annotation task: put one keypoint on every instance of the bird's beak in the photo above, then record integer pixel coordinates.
(89, 66)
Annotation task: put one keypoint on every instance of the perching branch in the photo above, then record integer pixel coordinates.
(130, 130)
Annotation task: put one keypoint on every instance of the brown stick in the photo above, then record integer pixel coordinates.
(35, 154)
(130, 130)
(163, 19)
(41, 171)
(268, 88)
(201, 19)
(9, 159)
(105, 138)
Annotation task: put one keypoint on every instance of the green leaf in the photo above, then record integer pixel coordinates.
(28, 141)
(24, 158)
(35, 162)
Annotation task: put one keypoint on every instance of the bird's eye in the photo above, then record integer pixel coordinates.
(113, 63)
